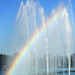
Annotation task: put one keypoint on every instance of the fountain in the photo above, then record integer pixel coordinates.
(48, 40)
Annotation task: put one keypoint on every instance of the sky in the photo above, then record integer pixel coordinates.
(8, 13)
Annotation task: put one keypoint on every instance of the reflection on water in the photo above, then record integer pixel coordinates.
(39, 73)
(43, 72)
(72, 73)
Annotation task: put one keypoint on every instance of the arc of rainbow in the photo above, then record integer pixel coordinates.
(32, 41)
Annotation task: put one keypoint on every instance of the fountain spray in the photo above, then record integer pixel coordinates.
(46, 40)
(36, 30)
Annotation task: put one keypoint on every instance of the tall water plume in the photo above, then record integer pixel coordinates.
(46, 40)
(44, 56)
(36, 30)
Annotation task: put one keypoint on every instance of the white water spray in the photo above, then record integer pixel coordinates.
(46, 40)
(36, 30)
(68, 32)
(28, 15)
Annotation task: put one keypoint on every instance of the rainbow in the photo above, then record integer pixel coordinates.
(32, 41)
